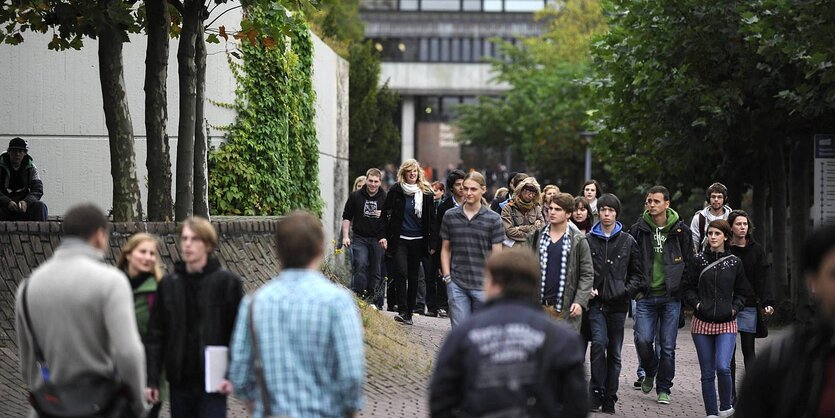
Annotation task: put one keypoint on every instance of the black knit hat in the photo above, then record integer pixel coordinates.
(18, 143)
(608, 200)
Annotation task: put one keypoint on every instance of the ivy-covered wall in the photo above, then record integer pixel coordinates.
(268, 164)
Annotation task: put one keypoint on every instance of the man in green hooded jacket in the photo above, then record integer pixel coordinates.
(666, 250)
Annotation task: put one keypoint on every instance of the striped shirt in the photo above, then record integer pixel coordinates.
(470, 243)
(310, 338)
(713, 328)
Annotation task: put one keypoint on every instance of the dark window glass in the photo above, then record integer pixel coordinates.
(424, 50)
(379, 4)
(445, 49)
(409, 49)
(489, 50)
(466, 50)
(477, 50)
(448, 106)
(434, 49)
(455, 50)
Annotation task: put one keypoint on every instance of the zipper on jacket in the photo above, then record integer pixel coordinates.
(605, 273)
(715, 289)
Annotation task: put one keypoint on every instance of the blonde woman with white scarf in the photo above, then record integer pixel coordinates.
(409, 213)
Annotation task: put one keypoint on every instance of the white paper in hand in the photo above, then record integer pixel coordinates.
(217, 361)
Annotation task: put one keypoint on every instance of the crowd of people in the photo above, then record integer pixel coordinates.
(529, 282)
(592, 269)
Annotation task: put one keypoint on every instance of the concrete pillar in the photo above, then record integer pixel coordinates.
(407, 129)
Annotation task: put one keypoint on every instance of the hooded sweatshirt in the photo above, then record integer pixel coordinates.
(699, 231)
(659, 236)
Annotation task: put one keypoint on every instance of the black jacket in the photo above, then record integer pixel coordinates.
(510, 360)
(27, 177)
(445, 205)
(721, 291)
(393, 214)
(678, 255)
(787, 377)
(757, 271)
(220, 293)
(618, 273)
(359, 210)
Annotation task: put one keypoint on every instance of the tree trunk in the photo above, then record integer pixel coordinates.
(187, 71)
(777, 164)
(801, 174)
(158, 161)
(126, 201)
(201, 172)
(760, 205)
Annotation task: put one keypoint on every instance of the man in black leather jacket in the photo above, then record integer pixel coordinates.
(196, 307)
(510, 359)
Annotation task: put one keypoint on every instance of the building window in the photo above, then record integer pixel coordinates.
(510, 6)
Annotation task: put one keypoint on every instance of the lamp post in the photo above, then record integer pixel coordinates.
(588, 136)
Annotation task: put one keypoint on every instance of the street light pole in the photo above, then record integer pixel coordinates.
(588, 136)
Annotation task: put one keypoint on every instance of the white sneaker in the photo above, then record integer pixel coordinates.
(726, 413)
(713, 416)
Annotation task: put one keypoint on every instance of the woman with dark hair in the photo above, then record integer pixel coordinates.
(757, 268)
(716, 290)
(581, 217)
(409, 213)
(591, 191)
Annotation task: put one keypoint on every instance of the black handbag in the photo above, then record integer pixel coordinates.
(762, 328)
(90, 395)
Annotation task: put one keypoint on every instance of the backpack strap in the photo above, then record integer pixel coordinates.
(39, 357)
(702, 227)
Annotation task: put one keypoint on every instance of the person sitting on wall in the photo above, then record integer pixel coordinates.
(22, 188)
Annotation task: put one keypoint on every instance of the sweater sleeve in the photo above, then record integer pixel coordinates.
(690, 286)
(694, 232)
(742, 288)
(35, 186)
(763, 272)
(635, 271)
(585, 270)
(348, 211)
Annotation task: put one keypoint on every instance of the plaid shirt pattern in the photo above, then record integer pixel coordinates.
(713, 328)
(310, 337)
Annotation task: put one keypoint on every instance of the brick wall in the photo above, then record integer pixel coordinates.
(245, 247)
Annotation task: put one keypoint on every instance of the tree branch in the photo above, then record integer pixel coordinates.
(223, 13)
(178, 5)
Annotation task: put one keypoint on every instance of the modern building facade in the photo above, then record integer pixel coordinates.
(435, 54)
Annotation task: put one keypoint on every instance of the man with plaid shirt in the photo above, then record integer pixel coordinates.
(310, 345)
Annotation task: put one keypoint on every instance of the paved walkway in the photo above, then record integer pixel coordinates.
(396, 387)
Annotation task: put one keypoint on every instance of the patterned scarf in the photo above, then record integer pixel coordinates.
(544, 242)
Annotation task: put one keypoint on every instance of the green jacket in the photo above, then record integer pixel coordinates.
(144, 297)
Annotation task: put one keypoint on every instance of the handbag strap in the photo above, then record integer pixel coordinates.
(39, 357)
(257, 363)
(711, 265)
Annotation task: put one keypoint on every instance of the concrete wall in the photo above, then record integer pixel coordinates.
(450, 79)
(53, 100)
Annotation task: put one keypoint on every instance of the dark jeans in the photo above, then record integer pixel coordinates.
(436, 297)
(407, 259)
(35, 212)
(657, 315)
(606, 345)
(391, 286)
(714, 352)
(195, 403)
(154, 411)
(746, 340)
(367, 260)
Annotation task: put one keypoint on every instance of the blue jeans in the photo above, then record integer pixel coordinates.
(714, 352)
(367, 260)
(606, 345)
(656, 322)
(462, 302)
(195, 403)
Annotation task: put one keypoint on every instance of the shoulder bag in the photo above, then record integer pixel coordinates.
(258, 365)
(89, 395)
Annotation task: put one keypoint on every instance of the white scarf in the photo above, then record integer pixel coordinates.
(414, 190)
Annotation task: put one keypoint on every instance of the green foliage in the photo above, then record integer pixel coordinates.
(545, 110)
(269, 162)
(695, 91)
(69, 21)
(373, 138)
(339, 25)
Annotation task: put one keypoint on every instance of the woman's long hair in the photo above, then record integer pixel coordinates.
(409, 165)
(133, 242)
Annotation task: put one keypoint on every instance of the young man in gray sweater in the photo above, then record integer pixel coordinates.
(81, 311)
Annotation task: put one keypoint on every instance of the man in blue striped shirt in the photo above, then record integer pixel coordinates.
(308, 331)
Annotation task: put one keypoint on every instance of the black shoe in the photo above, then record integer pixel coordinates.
(596, 401)
(609, 405)
(433, 314)
(419, 311)
(442, 313)
(638, 383)
(391, 308)
(403, 319)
